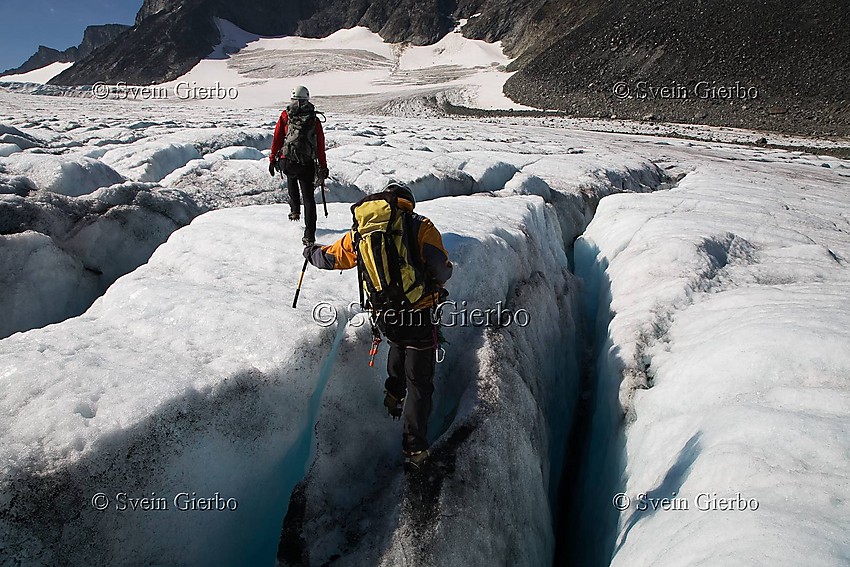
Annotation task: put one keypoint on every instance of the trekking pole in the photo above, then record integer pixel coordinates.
(324, 203)
(300, 280)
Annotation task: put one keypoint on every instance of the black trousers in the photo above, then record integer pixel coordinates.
(410, 366)
(299, 184)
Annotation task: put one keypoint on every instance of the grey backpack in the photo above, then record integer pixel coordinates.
(299, 145)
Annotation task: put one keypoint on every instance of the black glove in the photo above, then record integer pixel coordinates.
(271, 168)
(308, 251)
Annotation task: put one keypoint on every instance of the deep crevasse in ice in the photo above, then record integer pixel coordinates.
(722, 320)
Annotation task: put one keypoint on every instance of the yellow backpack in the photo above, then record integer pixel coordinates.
(388, 263)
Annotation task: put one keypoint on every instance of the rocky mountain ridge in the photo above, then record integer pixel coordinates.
(676, 61)
(93, 37)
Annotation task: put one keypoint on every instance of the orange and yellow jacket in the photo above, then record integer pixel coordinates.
(437, 268)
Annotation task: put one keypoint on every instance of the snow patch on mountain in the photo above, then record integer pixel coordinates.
(39, 76)
(350, 63)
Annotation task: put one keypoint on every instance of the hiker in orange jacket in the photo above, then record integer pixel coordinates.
(299, 142)
(412, 336)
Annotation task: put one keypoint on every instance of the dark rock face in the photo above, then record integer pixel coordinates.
(93, 37)
(164, 46)
(417, 22)
(525, 27)
(151, 7)
(793, 55)
(96, 36)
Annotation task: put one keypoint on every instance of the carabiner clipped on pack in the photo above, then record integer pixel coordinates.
(440, 355)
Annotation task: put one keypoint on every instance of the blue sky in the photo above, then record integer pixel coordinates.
(26, 24)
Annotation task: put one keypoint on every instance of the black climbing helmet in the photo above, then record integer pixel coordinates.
(401, 191)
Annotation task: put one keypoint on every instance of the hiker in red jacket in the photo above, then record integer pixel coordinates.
(297, 149)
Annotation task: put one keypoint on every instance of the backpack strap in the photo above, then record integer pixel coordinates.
(391, 251)
(411, 228)
(360, 276)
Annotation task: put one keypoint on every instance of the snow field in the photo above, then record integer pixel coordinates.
(162, 361)
(215, 166)
(168, 357)
(351, 63)
(157, 363)
(500, 416)
(192, 373)
(113, 226)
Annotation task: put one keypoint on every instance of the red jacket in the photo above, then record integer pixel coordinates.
(280, 135)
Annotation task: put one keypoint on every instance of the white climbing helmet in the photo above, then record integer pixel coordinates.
(300, 93)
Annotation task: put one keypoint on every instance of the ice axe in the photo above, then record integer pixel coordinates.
(321, 179)
(300, 281)
(324, 203)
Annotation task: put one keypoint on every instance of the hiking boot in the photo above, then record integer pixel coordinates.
(415, 460)
(294, 216)
(308, 241)
(394, 405)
